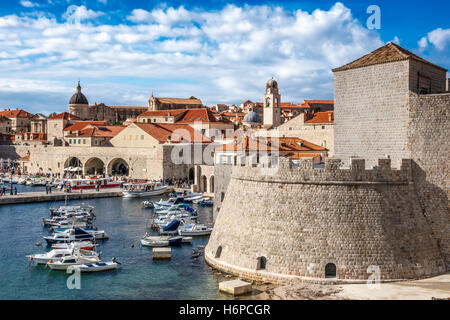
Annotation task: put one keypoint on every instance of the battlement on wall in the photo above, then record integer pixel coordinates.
(333, 172)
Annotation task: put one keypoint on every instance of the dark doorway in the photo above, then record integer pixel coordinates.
(330, 270)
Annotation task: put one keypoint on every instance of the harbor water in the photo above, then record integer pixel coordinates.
(139, 277)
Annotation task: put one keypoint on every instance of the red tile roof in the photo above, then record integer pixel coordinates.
(187, 115)
(80, 125)
(162, 113)
(282, 144)
(173, 132)
(321, 117)
(192, 101)
(65, 115)
(299, 155)
(99, 131)
(17, 113)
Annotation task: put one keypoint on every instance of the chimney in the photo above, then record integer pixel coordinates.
(447, 85)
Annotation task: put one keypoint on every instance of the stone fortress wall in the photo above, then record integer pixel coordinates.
(302, 219)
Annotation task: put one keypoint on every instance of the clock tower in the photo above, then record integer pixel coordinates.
(272, 111)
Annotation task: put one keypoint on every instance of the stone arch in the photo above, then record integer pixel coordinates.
(218, 252)
(72, 163)
(94, 166)
(211, 184)
(203, 183)
(330, 270)
(118, 167)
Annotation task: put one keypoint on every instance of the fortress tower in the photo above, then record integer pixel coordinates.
(272, 105)
(386, 213)
(79, 105)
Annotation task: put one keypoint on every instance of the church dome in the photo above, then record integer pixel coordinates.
(78, 97)
(252, 118)
(272, 84)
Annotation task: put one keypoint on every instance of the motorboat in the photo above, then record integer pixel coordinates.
(76, 234)
(160, 241)
(97, 266)
(143, 189)
(207, 203)
(170, 228)
(82, 245)
(168, 203)
(57, 254)
(197, 201)
(73, 260)
(22, 181)
(192, 197)
(72, 210)
(194, 230)
(176, 209)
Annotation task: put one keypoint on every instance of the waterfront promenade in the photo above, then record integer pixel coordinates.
(57, 195)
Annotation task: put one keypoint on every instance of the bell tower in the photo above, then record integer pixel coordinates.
(272, 112)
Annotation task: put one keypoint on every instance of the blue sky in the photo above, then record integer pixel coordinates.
(220, 51)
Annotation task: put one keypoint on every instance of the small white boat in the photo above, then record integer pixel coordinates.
(82, 245)
(76, 234)
(97, 266)
(58, 254)
(194, 230)
(149, 241)
(72, 260)
(160, 241)
(143, 189)
(192, 197)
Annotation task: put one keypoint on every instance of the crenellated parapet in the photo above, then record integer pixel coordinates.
(332, 173)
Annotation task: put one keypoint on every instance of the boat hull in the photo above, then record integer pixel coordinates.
(143, 194)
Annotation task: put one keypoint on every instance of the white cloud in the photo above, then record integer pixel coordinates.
(423, 43)
(220, 56)
(439, 38)
(76, 14)
(28, 4)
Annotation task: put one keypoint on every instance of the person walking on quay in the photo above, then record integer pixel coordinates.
(46, 189)
(50, 189)
(15, 191)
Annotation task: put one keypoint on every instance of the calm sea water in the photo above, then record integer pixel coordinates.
(139, 277)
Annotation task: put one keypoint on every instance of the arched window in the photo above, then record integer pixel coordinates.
(330, 270)
(261, 263)
(218, 252)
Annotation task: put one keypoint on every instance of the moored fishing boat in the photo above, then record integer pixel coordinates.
(143, 189)
(161, 241)
(72, 260)
(97, 266)
(82, 245)
(76, 234)
(57, 254)
(194, 230)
